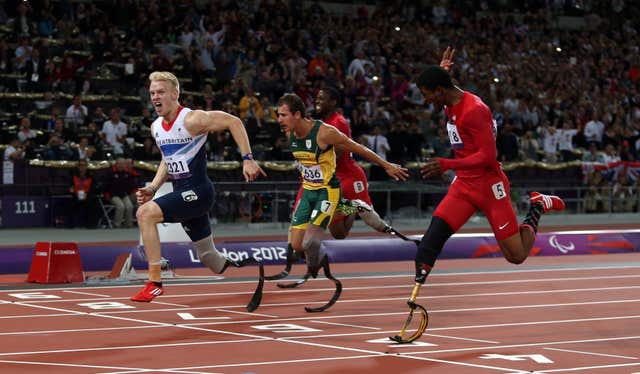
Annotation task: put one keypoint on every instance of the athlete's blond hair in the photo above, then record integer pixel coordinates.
(166, 77)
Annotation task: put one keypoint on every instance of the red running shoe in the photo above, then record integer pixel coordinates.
(548, 202)
(148, 293)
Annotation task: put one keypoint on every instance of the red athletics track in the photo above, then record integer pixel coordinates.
(578, 314)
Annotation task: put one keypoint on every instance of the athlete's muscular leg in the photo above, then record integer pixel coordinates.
(516, 248)
(149, 215)
(341, 225)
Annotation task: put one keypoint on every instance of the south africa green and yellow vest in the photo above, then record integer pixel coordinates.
(317, 166)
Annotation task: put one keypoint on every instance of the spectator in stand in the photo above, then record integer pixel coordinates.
(594, 129)
(441, 145)
(597, 199)
(610, 154)
(250, 112)
(415, 143)
(99, 117)
(593, 155)
(26, 133)
(57, 149)
(507, 144)
(398, 140)
(84, 151)
(565, 140)
(549, 136)
(624, 200)
(380, 145)
(76, 114)
(120, 184)
(14, 151)
(34, 71)
(114, 132)
(84, 203)
(148, 151)
(529, 147)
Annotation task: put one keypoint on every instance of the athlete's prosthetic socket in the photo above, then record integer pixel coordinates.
(430, 247)
(373, 220)
(209, 255)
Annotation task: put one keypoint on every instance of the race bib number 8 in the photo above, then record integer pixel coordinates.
(313, 174)
(454, 136)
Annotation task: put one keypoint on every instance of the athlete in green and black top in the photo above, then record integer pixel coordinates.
(312, 143)
(321, 187)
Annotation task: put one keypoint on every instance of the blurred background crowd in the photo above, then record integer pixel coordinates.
(561, 76)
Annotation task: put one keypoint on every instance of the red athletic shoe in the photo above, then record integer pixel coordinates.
(548, 202)
(148, 293)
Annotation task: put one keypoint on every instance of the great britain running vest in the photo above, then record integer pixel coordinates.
(184, 154)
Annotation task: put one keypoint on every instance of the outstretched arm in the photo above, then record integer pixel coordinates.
(199, 122)
(329, 135)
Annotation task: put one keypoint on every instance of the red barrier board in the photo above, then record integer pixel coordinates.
(56, 263)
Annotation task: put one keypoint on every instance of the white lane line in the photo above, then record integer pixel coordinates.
(38, 315)
(405, 286)
(584, 368)
(403, 275)
(83, 366)
(86, 293)
(347, 325)
(93, 329)
(491, 326)
(319, 359)
(459, 338)
(143, 346)
(247, 313)
(527, 345)
(592, 353)
(431, 311)
(172, 304)
(337, 317)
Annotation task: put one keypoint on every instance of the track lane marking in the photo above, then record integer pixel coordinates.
(592, 353)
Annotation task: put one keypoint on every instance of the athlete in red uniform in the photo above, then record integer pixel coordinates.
(353, 181)
(480, 183)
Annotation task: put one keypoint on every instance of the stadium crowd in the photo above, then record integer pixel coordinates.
(562, 77)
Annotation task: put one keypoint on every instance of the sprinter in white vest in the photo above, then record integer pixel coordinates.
(181, 134)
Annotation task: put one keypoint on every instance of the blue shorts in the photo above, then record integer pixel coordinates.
(190, 206)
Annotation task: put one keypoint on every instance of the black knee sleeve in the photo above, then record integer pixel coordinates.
(430, 247)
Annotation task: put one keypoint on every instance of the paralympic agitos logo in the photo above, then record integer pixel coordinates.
(564, 248)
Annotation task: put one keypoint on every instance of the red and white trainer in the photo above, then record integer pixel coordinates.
(548, 202)
(148, 293)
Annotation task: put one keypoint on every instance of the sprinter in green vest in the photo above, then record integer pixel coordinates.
(313, 144)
